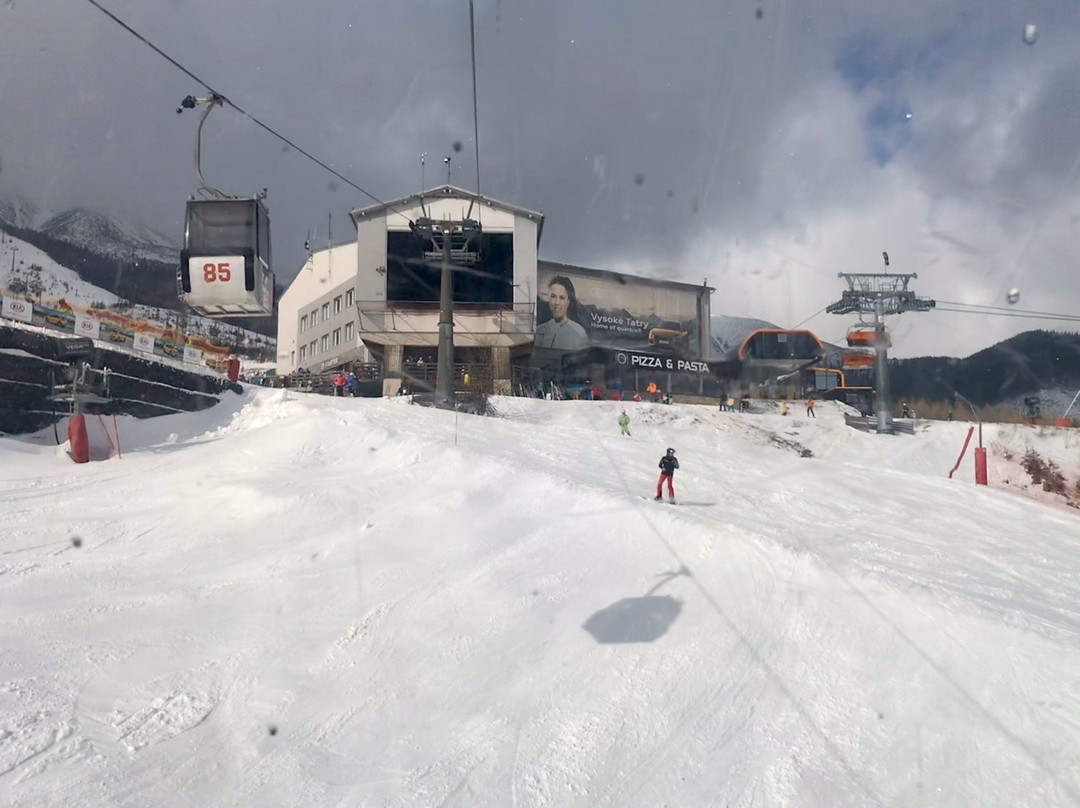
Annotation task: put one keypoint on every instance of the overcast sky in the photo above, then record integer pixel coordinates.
(684, 140)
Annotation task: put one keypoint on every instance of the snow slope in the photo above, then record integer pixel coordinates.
(303, 601)
(56, 279)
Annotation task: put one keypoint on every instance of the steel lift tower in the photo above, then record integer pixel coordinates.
(879, 294)
(457, 244)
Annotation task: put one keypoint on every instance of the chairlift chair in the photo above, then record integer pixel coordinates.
(857, 358)
(868, 337)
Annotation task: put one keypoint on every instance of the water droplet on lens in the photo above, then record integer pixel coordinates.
(639, 179)
(1031, 33)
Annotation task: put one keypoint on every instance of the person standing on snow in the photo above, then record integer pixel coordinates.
(810, 408)
(668, 464)
(624, 423)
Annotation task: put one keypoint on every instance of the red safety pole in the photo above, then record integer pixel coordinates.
(980, 452)
(980, 466)
(116, 429)
(963, 451)
(108, 437)
(80, 447)
(980, 460)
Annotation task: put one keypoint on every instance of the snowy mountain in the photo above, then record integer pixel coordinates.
(125, 261)
(27, 267)
(26, 270)
(18, 213)
(729, 332)
(1034, 363)
(107, 236)
(308, 601)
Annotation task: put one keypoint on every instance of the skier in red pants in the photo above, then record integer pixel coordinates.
(668, 464)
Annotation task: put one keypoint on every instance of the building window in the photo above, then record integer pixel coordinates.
(337, 337)
(303, 323)
(311, 347)
(325, 311)
(314, 316)
(337, 305)
(324, 344)
(349, 298)
(303, 352)
(348, 332)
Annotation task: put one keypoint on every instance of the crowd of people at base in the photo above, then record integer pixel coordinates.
(345, 386)
(728, 404)
(592, 392)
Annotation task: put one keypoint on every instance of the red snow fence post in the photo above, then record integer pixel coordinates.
(233, 369)
(967, 440)
(980, 466)
(79, 443)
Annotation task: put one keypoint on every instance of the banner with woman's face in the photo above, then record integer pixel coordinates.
(579, 308)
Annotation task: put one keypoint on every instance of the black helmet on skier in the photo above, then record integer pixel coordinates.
(670, 451)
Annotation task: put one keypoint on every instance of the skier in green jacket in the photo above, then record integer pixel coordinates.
(624, 423)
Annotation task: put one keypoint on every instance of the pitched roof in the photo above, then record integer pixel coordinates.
(446, 192)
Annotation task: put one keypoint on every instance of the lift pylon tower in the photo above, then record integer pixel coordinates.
(457, 244)
(879, 294)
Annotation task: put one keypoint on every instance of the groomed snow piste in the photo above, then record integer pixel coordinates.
(300, 601)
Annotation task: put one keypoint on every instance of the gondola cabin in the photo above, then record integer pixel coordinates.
(225, 268)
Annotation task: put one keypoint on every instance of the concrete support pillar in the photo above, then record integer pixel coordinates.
(392, 368)
(500, 370)
(393, 358)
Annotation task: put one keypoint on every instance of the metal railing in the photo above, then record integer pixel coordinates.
(503, 318)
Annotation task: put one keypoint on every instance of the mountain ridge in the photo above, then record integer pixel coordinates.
(133, 262)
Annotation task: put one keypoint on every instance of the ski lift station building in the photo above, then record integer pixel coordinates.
(376, 298)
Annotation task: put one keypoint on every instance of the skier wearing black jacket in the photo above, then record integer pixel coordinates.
(668, 464)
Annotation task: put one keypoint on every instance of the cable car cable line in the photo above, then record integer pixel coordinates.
(808, 319)
(1065, 318)
(1010, 310)
(476, 125)
(225, 99)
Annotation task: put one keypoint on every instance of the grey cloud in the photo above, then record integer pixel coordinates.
(751, 139)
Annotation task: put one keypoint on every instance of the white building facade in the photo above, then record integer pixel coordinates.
(377, 299)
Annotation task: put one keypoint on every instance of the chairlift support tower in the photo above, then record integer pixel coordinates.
(457, 244)
(879, 295)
